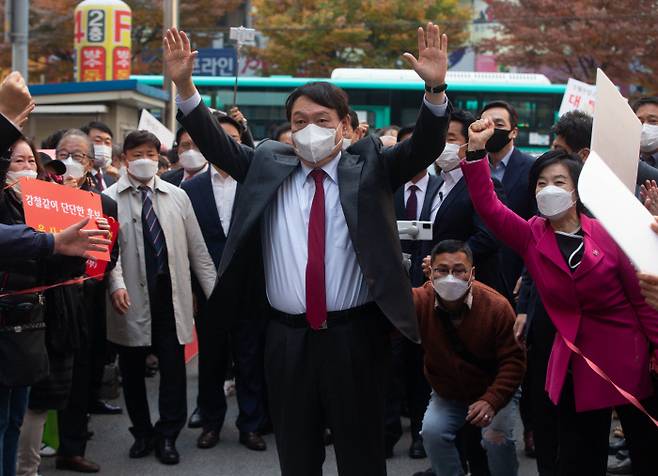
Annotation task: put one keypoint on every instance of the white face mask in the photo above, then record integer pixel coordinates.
(102, 156)
(143, 169)
(554, 202)
(14, 177)
(649, 138)
(74, 169)
(449, 160)
(192, 160)
(450, 288)
(314, 143)
(346, 143)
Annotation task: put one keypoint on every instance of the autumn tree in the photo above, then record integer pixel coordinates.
(572, 39)
(310, 37)
(51, 34)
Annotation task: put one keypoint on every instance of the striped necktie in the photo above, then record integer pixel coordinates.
(153, 230)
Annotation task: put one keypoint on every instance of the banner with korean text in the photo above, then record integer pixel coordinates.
(50, 208)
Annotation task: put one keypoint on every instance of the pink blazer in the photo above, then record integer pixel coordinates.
(598, 307)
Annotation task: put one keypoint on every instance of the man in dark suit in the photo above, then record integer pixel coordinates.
(101, 135)
(330, 256)
(511, 167)
(191, 161)
(213, 194)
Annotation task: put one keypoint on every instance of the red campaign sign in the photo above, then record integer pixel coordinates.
(96, 269)
(92, 64)
(50, 208)
(122, 60)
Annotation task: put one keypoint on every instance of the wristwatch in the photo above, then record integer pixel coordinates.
(436, 89)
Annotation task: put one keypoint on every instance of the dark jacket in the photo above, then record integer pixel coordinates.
(173, 176)
(368, 177)
(199, 189)
(521, 200)
(456, 219)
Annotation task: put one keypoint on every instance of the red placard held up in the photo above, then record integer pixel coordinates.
(96, 269)
(50, 208)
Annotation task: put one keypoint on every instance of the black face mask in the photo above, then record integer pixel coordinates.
(498, 140)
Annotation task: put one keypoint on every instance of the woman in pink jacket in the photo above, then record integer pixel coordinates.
(591, 293)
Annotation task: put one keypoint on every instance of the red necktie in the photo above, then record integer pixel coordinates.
(99, 180)
(316, 299)
(411, 211)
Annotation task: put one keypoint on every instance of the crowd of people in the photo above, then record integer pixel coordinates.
(285, 258)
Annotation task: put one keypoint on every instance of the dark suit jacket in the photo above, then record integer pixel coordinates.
(367, 179)
(173, 176)
(417, 249)
(521, 200)
(456, 219)
(199, 189)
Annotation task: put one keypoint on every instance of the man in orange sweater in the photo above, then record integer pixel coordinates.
(472, 362)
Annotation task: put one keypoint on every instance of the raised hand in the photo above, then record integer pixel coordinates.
(649, 196)
(74, 241)
(16, 103)
(179, 61)
(479, 133)
(432, 62)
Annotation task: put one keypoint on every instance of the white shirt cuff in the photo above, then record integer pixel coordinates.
(438, 110)
(188, 105)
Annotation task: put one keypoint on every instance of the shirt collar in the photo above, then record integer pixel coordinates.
(468, 301)
(505, 160)
(330, 168)
(126, 182)
(215, 175)
(453, 176)
(421, 184)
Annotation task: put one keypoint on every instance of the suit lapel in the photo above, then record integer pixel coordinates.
(451, 197)
(592, 253)
(210, 205)
(512, 171)
(399, 203)
(547, 246)
(260, 191)
(349, 176)
(432, 188)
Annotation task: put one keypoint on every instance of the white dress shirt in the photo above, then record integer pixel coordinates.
(284, 233)
(450, 179)
(187, 175)
(223, 188)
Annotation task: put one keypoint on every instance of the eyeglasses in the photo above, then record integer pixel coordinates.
(79, 156)
(458, 271)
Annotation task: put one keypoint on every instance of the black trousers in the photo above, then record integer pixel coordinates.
(246, 341)
(72, 420)
(407, 383)
(172, 397)
(329, 378)
(98, 350)
(583, 437)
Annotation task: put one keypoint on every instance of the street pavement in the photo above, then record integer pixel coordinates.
(110, 444)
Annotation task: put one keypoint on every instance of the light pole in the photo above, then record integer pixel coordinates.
(170, 21)
(17, 14)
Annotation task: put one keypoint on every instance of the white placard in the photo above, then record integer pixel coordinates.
(620, 213)
(148, 122)
(578, 96)
(616, 131)
(242, 35)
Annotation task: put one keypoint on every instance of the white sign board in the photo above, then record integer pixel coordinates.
(242, 35)
(616, 132)
(620, 213)
(148, 122)
(578, 96)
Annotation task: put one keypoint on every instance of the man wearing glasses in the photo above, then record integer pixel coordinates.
(472, 362)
